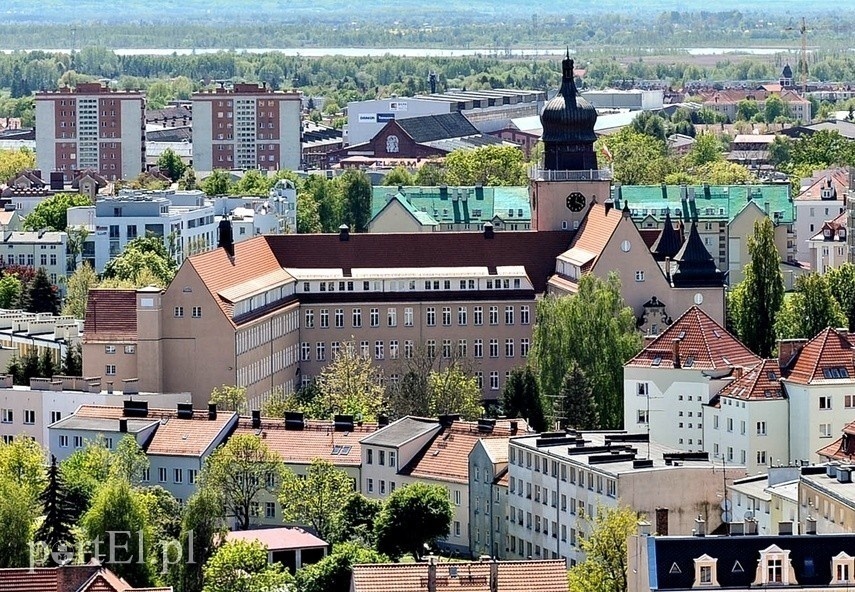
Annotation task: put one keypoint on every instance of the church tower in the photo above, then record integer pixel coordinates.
(569, 179)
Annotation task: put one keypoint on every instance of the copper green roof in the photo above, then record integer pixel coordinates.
(703, 203)
(457, 205)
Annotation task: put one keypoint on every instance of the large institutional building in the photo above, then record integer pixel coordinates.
(246, 127)
(91, 127)
(272, 311)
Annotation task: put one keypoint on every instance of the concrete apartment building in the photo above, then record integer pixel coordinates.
(37, 249)
(184, 221)
(559, 480)
(176, 440)
(488, 497)
(91, 127)
(246, 127)
(829, 248)
(30, 410)
(419, 450)
(766, 504)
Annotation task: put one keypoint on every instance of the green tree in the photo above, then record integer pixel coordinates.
(746, 110)
(16, 524)
(774, 109)
(355, 520)
(238, 471)
(637, 159)
(596, 329)
(356, 190)
(351, 385)
(451, 390)
(649, 124)
(47, 367)
(308, 216)
(398, 177)
(521, 398)
(241, 566)
(72, 361)
(333, 573)
(22, 461)
(84, 472)
(187, 181)
(202, 530)
(75, 244)
(10, 291)
(822, 149)
(430, 174)
(229, 398)
(217, 183)
(30, 366)
(414, 516)
(253, 182)
(143, 257)
(129, 461)
(756, 300)
(15, 370)
(118, 508)
(40, 295)
(51, 212)
(329, 199)
(779, 150)
(809, 310)
(55, 530)
(841, 282)
(724, 173)
(706, 148)
(13, 162)
(488, 165)
(77, 291)
(316, 498)
(171, 165)
(605, 565)
(577, 397)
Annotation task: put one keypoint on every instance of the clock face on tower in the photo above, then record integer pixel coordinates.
(576, 202)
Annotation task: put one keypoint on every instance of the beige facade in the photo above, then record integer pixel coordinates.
(550, 190)
(741, 228)
(394, 217)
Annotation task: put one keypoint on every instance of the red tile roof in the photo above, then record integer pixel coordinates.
(446, 458)
(762, 382)
(71, 578)
(834, 226)
(704, 345)
(843, 448)
(316, 440)
(511, 576)
(839, 179)
(111, 315)
(278, 539)
(173, 437)
(596, 230)
(830, 351)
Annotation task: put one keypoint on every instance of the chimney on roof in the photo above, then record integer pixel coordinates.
(737, 372)
(810, 525)
(123, 426)
(212, 411)
(609, 205)
(789, 349)
(72, 577)
(343, 233)
(382, 420)
(256, 419)
(488, 230)
(675, 349)
(668, 268)
(226, 237)
(700, 526)
(431, 583)
(626, 213)
(494, 576)
(448, 419)
(662, 521)
(515, 426)
(750, 526)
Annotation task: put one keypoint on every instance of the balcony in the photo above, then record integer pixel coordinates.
(539, 174)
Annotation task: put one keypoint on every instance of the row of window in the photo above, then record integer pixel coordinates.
(29, 259)
(129, 349)
(413, 284)
(381, 458)
(178, 312)
(448, 349)
(8, 416)
(445, 313)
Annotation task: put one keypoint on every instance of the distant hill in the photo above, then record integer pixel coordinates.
(269, 11)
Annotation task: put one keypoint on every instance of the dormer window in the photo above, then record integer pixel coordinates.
(841, 233)
(706, 575)
(826, 232)
(842, 569)
(774, 568)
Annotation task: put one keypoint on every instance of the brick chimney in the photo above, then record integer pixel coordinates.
(675, 349)
(431, 583)
(787, 349)
(69, 578)
(494, 576)
(737, 372)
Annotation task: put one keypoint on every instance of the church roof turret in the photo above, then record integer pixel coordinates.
(568, 117)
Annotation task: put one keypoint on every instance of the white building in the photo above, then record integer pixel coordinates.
(115, 221)
(828, 247)
(246, 127)
(634, 99)
(45, 249)
(21, 331)
(822, 200)
(176, 441)
(29, 410)
(559, 480)
(669, 383)
(769, 501)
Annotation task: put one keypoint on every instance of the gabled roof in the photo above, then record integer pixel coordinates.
(704, 345)
(828, 357)
(279, 539)
(446, 457)
(511, 576)
(668, 241)
(111, 315)
(836, 179)
(71, 578)
(843, 448)
(422, 218)
(760, 383)
(437, 127)
(597, 228)
(317, 440)
(172, 436)
(833, 226)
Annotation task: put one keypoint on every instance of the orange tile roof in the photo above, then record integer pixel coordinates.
(111, 315)
(704, 345)
(277, 539)
(316, 440)
(762, 382)
(173, 437)
(594, 233)
(831, 349)
(512, 576)
(839, 181)
(447, 456)
(73, 578)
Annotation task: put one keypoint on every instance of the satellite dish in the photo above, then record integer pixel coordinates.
(749, 515)
(726, 516)
(726, 505)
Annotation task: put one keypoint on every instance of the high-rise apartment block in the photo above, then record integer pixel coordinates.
(246, 127)
(91, 127)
